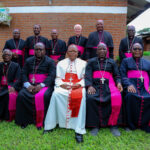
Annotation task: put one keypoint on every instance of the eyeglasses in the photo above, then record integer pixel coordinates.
(6, 54)
(137, 49)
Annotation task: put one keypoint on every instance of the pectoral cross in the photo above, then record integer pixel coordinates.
(5, 80)
(33, 80)
(53, 51)
(142, 78)
(16, 51)
(103, 80)
(70, 79)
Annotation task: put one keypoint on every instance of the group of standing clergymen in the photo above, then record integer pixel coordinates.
(76, 85)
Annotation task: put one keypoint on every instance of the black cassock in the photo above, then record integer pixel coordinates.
(137, 104)
(9, 76)
(81, 44)
(31, 41)
(94, 39)
(30, 108)
(103, 107)
(17, 47)
(57, 49)
(125, 46)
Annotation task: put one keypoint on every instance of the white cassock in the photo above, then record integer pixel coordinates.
(58, 111)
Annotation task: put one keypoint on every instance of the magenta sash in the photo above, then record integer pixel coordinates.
(39, 106)
(4, 81)
(31, 51)
(116, 100)
(17, 51)
(39, 78)
(55, 57)
(12, 104)
(128, 55)
(80, 49)
(136, 74)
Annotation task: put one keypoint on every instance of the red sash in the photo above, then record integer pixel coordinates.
(75, 95)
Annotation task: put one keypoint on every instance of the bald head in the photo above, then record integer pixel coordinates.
(100, 21)
(73, 46)
(39, 44)
(137, 45)
(100, 25)
(102, 45)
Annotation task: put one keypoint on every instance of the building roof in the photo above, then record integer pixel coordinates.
(136, 7)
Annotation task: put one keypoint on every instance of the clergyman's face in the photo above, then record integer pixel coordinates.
(7, 57)
(131, 31)
(101, 51)
(137, 51)
(99, 26)
(16, 34)
(72, 53)
(54, 34)
(36, 29)
(39, 51)
(78, 30)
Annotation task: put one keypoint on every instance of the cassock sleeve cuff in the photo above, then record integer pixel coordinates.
(42, 85)
(26, 84)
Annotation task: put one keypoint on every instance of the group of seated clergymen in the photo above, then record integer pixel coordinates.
(38, 85)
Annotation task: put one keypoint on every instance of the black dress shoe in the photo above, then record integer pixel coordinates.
(79, 137)
(47, 131)
(23, 126)
(39, 128)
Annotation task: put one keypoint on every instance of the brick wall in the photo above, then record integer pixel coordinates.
(114, 23)
(13, 3)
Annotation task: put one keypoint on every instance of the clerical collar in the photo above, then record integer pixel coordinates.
(38, 59)
(102, 59)
(16, 39)
(6, 63)
(100, 31)
(55, 40)
(131, 37)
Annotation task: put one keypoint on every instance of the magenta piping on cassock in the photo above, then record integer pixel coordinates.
(80, 49)
(12, 104)
(31, 51)
(128, 55)
(116, 100)
(55, 57)
(137, 74)
(39, 106)
(17, 51)
(39, 78)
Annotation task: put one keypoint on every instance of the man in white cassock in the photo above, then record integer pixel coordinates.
(68, 107)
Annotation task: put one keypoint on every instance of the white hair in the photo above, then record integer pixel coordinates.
(77, 25)
(7, 50)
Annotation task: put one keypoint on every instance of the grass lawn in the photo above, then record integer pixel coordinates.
(13, 137)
